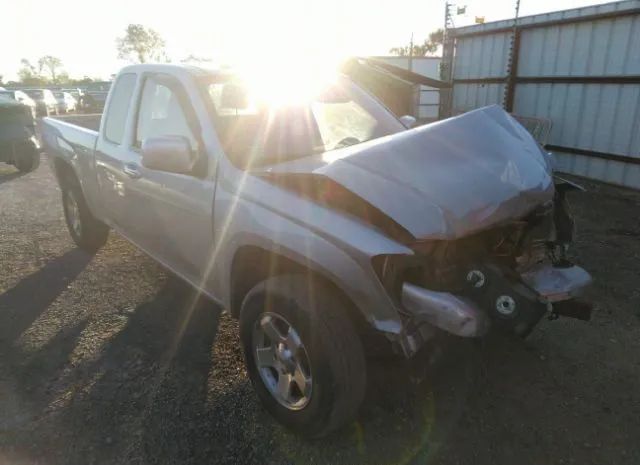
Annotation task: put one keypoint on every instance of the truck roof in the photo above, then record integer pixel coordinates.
(171, 68)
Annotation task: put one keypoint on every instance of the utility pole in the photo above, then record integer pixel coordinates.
(446, 66)
(447, 46)
(411, 53)
(512, 63)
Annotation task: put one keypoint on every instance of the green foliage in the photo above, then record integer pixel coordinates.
(28, 74)
(428, 47)
(141, 45)
(50, 65)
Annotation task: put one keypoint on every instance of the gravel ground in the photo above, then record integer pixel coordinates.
(104, 359)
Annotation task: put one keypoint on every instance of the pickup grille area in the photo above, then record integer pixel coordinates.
(515, 246)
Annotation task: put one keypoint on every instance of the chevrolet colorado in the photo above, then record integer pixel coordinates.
(323, 222)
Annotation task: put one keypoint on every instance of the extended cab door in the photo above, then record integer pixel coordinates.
(170, 214)
(112, 154)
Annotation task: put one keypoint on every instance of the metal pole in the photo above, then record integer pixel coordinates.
(512, 64)
(446, 66)
(411, 53)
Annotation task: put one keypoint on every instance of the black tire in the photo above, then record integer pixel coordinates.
(88, 233)
(337, 364)
(26, 156)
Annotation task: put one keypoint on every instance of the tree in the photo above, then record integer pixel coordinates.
(28, 74)
(141, 45)
(51, 64)
(428, 47)
(195, 59)
(63, 78)
(84, 80)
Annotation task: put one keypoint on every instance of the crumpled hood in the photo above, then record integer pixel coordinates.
(447, 179)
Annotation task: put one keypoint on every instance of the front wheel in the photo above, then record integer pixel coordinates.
(86, 231)
(303, 354)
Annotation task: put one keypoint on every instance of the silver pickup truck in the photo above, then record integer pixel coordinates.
(325, 226)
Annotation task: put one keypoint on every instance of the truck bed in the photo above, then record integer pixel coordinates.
(75, 144)
(89, 121)
(63, 136)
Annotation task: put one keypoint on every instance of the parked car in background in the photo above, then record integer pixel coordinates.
(46, 102)
(326, 226)
(18, 143)
(75, 93)
(94, 96)
(66, 102)
(20, 96)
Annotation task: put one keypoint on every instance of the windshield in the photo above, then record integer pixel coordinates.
(58, 95)
(34, 93)
(255, 133)
(6, 93)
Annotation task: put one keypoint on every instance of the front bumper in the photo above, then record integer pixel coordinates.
(517, 305)
(555, 284)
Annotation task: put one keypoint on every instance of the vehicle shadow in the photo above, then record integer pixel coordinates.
(451, 411)
(151, 376)
(21, 305)
(6, 177)
(168, 387)
(400, 422)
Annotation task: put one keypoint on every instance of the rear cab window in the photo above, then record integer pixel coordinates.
(116, 114)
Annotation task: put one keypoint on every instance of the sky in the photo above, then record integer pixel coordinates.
(82, 33)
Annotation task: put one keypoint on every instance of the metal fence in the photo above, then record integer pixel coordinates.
(577, 69)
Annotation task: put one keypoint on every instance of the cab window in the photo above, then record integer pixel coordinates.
(119, 108)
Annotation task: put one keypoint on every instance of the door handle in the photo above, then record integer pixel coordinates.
(132, 170)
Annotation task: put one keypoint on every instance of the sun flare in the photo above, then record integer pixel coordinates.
(287, 53)
(287, 83)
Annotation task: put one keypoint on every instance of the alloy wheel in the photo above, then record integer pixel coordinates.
(282, 361)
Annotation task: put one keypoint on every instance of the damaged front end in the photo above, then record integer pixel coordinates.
(506, 278)
(475, 199)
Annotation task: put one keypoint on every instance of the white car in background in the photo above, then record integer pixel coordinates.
(46, 103)
(66, 102)
(20, 96)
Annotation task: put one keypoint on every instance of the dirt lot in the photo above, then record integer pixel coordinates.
(105, 360)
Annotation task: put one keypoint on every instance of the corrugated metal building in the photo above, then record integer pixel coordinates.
(429, 98)
(578, 68)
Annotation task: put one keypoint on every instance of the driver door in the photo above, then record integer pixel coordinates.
(174, 211)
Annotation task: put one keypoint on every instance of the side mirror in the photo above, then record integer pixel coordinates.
(408, 121)
(168, 153)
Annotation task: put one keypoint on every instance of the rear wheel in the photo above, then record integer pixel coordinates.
(86, 231)
(303, 355)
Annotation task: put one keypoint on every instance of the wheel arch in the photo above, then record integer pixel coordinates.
(64, 171)
(252, 264)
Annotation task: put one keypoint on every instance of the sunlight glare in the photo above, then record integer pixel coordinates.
(287, 83)
(289, 51)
